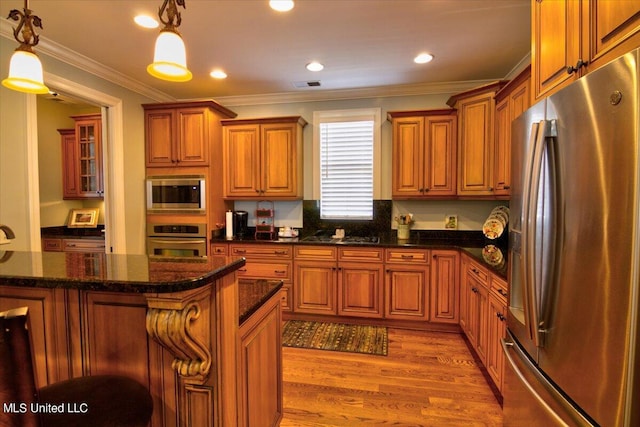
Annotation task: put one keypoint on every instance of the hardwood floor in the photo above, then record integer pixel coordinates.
(427, 379)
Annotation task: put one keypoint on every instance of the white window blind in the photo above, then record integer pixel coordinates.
(346, 169)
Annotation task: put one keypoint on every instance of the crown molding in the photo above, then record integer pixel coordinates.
(344, 94)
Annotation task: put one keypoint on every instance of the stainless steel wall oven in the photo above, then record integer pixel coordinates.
(177, 240)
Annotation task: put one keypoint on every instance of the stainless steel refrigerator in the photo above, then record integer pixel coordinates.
(573, 341)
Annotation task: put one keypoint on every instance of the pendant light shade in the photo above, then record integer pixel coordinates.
(25, 68)
(25, 73)
(170, 58)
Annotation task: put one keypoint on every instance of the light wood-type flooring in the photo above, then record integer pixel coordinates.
(428, 379)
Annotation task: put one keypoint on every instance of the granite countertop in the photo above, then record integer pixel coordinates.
(111, 272)
(472, 243)
(253, 293)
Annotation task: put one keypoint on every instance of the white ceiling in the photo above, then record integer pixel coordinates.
(362, 43)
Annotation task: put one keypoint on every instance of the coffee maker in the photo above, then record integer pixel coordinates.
(240, 224)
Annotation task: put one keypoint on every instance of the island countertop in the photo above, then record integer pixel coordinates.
(112, 272)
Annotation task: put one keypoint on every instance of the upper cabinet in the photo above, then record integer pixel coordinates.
(424, 154)
(511, 101)
(573, 37)
(82, 158)
(181, 134)
(476, 109)
(262, 158)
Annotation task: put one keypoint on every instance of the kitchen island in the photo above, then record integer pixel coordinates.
(206, 345)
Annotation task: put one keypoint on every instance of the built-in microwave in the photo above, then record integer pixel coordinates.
(176, 193)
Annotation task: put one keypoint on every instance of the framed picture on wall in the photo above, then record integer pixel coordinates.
(79, 218)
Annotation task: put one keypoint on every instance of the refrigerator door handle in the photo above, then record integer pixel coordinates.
(530, 198)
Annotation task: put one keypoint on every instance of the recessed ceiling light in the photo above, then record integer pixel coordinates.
(423, 58)
(281, 5)
(314, 66)
(218, 74)
(146, 21)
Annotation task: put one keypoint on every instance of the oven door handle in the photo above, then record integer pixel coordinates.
(178, 242)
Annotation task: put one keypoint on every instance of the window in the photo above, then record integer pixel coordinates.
(347, 143)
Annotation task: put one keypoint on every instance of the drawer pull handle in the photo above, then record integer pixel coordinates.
(242, 270)
(281, 252)
(407, 256)
(502, 292)
(241, 251)
(280, 271)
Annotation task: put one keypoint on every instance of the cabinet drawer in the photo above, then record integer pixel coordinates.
(52, 245)
(261, 251)
(360, 254)
(325, 253)
(79, 245)
(478, 272)
(219, 249)
(266, 270)
(499, 288)
(404, 256)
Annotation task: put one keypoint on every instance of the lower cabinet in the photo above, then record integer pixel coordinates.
(407, 284)
(338, 281)
(445, 272)
(260, 388)
(264, 261)
(497, 317)
(54, 244)
(483, 308)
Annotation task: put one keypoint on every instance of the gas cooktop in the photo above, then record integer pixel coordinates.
(347, 239)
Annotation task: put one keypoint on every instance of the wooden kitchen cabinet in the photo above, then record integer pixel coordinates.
(445, 272)
(496, 329)
(571, 38)
(511, 101)
(54, 244)
(407, 284)
(181, 134)
(267, 261)
(82, 176)
(360, 272)
(262, 158)
(476, 307)
(476, 124)
(260, 388)
(315, 282)
(424, 154)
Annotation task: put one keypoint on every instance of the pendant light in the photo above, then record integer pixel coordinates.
(170, 57)
(25, 68)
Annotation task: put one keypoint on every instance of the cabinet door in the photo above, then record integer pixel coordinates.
(315, 287)
(613, 29)
(241, 160)
(70, 172)
(360, 290)
(440, 161)
(407, 292)
(279, 160)
(496, 331)
(475, 152)
(159, 134)
(502, 165)
(408, 157)
(464, 294)
(89, 151)
(192, 144)
(556, 44)
(444, 286)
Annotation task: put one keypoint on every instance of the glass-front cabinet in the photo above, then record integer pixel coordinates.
(82, 158)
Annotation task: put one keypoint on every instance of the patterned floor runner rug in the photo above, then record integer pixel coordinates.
(336, 337)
